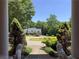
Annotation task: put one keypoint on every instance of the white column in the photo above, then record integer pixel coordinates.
(75, 30)
(3, 29)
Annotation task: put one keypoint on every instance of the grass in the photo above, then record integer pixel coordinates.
(34, 38)
(38, 38)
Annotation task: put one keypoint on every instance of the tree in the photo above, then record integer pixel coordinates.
(30, 24)
(53, 25)
(43, 26)
(49, 27)
(39, 24)
(22, 10)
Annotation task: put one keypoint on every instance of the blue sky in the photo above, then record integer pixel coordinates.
(43, 9)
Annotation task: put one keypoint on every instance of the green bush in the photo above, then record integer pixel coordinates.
(50, 51)
(16, 35)
(10, 52)
(26, 50)
(53, 35)
(49, 41)
(47, 49)
(15, 30)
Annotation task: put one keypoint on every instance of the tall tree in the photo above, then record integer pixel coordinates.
(43, 26)
(23, 10)
(53, 25)
(30, 24)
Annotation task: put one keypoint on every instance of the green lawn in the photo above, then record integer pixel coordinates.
(38, 38)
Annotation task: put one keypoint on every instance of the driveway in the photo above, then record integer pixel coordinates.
(36, 47)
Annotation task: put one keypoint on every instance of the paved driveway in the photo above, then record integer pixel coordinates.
(36, 47)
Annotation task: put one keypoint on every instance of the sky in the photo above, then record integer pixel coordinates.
(60, 8)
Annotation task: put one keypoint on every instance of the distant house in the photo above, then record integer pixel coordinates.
(35, 31)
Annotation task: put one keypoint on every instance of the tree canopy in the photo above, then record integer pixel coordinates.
(23, 10)
(53, 24)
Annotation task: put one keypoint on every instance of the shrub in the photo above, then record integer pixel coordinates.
(50, 51)
(47, 49)
(26, 50)
(50, 41)
(53, 35)
(54, 46)
(10, 52)
(16, 34)
(16, 31)
(16, 22)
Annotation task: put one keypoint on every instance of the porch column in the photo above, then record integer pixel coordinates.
(75, 30)
(3, 29)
